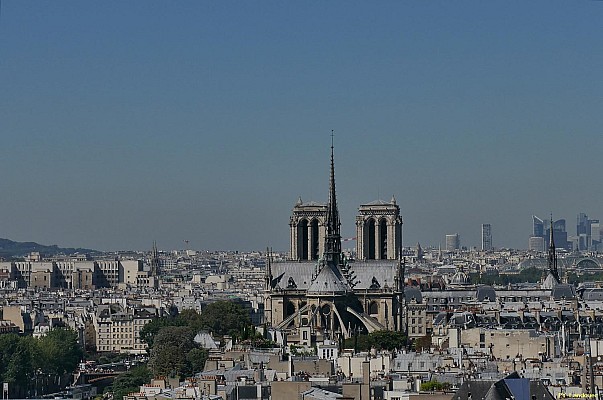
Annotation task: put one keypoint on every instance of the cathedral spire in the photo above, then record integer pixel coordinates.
(333, 236)
(552, 264)
(155, 260)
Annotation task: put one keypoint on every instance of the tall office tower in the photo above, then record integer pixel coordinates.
(582, 231)
(595, 234)
(542, 229)
(453, 242)
(561, 241)
(537, 227)
(582, 224)
(536, 243)
(486, 237)
(583, 242)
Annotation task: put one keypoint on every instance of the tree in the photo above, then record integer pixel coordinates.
(387, 340)
(8, 345)
(431, 386)
(170, 349)
(130, 381)
(422, 343)
(61, 352)
(151, 329)
(380, 340)
(225, 318)
(359, 343)
(29, 364)
(190, 318)
(21, 366)
(196, 359)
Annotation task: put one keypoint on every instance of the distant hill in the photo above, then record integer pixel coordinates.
(10, 249)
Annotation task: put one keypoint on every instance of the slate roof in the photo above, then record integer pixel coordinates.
(563, 291)
(328, 281)
(411, 293)
(592, 294)
(384, 272)
(485, 292)
(549, 283)
(510, 387)
(301, 273)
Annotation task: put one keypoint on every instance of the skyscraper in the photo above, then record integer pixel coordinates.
(561, 241)
(536, 243)
(588, 232)
(486, 237)
(453, 242)
(582, 224)
(542, 229)
(595, 234)
(537, 227)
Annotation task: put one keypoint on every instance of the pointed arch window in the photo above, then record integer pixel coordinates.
(383, 239)
(370, 239)
(302, 240)
(314, 233)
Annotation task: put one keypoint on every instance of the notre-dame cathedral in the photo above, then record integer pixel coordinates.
(319, 293)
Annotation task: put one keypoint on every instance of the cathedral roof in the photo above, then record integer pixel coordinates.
(299, 272)
(328, 281)
(384, 271)
(549, 283)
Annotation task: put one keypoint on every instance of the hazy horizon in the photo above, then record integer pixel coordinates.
(128, 123)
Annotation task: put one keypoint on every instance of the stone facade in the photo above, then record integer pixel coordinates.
(320, 294)
(118, 328)
(307, 227)
(378, 231)
(76, 274)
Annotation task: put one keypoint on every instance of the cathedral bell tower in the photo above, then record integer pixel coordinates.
(378, 231)
(307, 227)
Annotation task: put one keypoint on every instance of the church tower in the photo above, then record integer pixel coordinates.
(318, 293)
(552, 259)
(378, 231)
(307, 227)
(155, 261)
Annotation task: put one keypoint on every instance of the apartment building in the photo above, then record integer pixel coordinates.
(118, 328)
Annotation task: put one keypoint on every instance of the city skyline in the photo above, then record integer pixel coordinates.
(134, 123)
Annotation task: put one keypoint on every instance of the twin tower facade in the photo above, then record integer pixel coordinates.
(378, 230)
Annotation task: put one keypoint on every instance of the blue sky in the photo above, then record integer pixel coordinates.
(128, 122)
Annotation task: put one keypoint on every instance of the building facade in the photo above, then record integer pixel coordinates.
(307, 230)
(118, 328)
(85, 275)
(486, 237)
(453, 242)
(378, 231)
(319, 293)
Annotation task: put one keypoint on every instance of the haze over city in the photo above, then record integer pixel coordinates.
(128, 123)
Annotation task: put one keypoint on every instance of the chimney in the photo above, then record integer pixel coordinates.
(365, 392)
